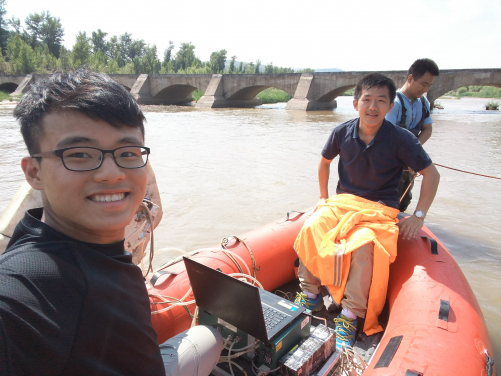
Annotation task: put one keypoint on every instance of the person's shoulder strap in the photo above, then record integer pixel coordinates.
(424, 114)
(403, 118)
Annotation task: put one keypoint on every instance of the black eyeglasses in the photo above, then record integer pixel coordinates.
(87, 159)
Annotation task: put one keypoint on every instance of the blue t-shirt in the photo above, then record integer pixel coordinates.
(413, 114)
(373, 171)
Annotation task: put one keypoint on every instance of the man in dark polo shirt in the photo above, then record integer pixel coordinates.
(350, 240)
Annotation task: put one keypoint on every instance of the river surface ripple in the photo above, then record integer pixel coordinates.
(228, 171)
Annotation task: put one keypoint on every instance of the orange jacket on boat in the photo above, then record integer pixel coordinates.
(341, 225)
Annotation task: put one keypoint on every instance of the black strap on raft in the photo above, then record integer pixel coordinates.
(158, 274)
(411, 372)
(389, 352)
(445, 307)
(490, 364)
(434, 245)
(424, 114)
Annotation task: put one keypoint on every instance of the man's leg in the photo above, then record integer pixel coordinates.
(310, 285)
(193, 352)
(356, 295)
(356, 292)
(405, 181)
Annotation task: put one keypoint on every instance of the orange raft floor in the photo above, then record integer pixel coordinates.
(435, 325)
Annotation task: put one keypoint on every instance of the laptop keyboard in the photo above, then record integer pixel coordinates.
(272, 317)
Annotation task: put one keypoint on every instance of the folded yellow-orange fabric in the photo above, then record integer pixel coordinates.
(338, 227)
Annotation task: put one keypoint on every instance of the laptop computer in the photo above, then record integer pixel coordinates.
(253, 310)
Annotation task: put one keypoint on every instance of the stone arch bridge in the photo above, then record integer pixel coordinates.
(309, 91)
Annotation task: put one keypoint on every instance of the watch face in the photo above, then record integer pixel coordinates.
(419, 213)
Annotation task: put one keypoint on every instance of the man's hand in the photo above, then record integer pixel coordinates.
(320, 202)
(410, 226)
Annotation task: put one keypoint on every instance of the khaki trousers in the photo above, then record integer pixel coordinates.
(356, 292)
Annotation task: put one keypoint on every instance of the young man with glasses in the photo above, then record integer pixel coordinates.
(71, 300)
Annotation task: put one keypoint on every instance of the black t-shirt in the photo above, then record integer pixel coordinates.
(373, 171)
(72, 308)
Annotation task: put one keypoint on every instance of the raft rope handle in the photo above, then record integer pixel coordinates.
(224, 244)
(468, 172)
(416, 174)
(181, 302)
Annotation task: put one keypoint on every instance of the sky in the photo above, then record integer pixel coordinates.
(352, 35)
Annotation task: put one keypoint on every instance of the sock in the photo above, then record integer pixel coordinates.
(310, 295)
(347, 313)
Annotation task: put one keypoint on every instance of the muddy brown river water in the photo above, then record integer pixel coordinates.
(227, 171)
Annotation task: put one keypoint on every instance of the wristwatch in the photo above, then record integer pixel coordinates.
(420, 214)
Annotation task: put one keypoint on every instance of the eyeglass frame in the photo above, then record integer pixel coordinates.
(59, 153)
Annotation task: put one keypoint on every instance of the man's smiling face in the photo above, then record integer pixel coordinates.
(373, 105)
(91, 206)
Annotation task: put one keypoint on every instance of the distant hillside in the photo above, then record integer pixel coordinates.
(329, 70)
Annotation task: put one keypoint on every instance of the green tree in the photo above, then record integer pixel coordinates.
(97, 61)
(185, 57)
(45, 29)
(4, 32)
(217, 61)
(21, 55)
(44, 61)
(64, 61)
(98, 41)
(168, 55)
(241, 67)
(130, 48)
(268, 68)
(258, 67)
(232, 64)
(250, 68)
(112, 67)
(81, 51)
(149, 62)
(114, 51)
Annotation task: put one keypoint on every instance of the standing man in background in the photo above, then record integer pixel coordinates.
(412, 111)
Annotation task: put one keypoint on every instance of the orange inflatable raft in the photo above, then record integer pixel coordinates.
(435, 325)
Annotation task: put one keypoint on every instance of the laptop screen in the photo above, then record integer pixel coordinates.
(225, 297)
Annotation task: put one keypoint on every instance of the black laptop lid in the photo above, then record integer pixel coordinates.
(226, 297)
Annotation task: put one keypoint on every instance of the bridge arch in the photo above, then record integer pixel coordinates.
(333, 94)
(8, 87)
(450, 80)
(175, 91)
(251, 92)
(247, 86)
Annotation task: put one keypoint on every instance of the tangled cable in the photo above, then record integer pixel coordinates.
(350, 363)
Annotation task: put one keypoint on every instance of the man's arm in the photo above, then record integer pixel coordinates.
(425, 134)
(323, 177)
(410, 226)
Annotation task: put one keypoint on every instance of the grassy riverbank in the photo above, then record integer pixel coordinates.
(272, 95)
(5, 96)
(476, 92)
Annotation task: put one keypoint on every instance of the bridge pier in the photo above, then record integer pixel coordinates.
(303, 98)
(141, 91)
(24, 86)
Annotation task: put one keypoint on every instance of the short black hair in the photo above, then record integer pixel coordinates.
(421, 66)
(375, 80)
(93, 94)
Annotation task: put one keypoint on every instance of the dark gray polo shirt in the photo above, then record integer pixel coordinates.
(373, 171)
